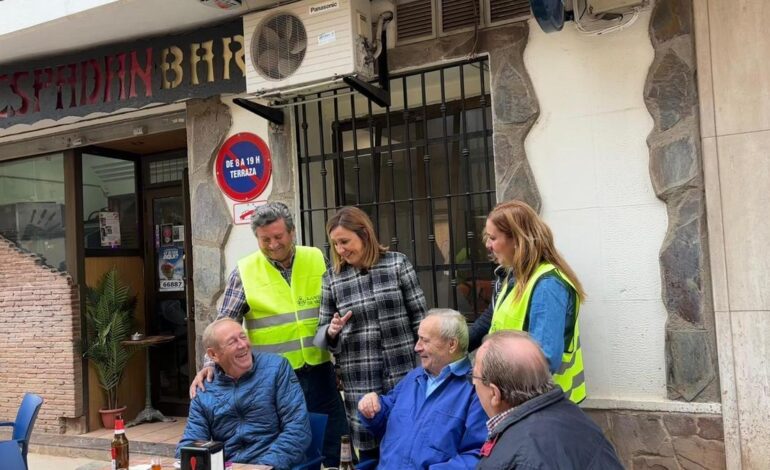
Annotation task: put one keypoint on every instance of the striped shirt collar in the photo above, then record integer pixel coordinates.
(496, 419)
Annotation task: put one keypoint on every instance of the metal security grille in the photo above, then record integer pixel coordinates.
(422, 169)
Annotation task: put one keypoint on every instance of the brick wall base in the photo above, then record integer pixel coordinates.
(39, 339)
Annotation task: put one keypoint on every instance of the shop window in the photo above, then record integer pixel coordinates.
(166, 170)
(109, 203)
(32, 206)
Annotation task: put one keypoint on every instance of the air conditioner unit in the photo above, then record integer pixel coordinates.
(598, 7)
(307, 44)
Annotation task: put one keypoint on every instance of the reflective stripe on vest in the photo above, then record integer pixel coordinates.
(510, 314)
(282, 319)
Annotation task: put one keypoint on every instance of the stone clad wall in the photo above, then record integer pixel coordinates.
(39, 339)
(208, 122)
(653, 440)
(676, 170)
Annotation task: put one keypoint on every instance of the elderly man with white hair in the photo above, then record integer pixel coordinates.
(432, 418)
(254, 405)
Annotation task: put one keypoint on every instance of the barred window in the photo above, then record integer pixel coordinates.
(422, 169)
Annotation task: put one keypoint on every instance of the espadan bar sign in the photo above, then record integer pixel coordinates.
(199, 64)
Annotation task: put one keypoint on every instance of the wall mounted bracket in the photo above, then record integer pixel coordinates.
(271, 114)
(381, 94)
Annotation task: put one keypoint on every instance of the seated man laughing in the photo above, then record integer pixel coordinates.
(254, 406)
(433, 418)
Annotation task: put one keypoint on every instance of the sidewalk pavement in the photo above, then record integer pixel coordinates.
(51, 462)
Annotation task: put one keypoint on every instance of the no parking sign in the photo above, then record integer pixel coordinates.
(243, 167)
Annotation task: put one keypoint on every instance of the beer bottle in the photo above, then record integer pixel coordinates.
(346, 454)
(119, 447)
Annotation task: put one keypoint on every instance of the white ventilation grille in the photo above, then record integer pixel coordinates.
(502, 10)
(459, 14)
(278, 46)
(414, 20)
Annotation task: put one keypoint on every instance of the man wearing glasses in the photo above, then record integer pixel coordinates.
(532, 422)
(433, 418)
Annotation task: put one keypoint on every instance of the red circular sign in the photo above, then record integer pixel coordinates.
(243, 167)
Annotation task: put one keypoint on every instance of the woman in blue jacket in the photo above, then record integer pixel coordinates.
(535, 291)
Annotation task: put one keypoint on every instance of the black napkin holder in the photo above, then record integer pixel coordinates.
(203, 455)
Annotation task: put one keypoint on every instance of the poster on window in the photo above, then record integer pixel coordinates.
(171, 269)
(166, 235)
(178, 233)
(109, 229)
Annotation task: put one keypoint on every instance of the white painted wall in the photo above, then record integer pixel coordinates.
(34, 29)
(241, 241)
(20, 14)
(590, 160)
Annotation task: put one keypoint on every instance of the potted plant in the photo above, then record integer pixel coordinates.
(109, 322)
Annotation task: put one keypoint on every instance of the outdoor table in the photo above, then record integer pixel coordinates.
(168, 464)
(148, 414)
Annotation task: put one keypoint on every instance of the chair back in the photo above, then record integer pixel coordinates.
(10, 456)
(25, 421)
(318, 431)
(314, 453)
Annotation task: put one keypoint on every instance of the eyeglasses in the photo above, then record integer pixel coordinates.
(470, 378)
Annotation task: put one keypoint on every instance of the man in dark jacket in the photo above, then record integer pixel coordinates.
(254, 406)
(532, 423)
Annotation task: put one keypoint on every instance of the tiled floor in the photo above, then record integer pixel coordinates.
(167, 433)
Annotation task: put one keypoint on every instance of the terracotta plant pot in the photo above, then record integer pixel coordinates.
(108, 416)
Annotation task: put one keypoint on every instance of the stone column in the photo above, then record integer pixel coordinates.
(208, 122)
(675, 166)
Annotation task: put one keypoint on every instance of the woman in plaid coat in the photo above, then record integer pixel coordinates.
(381, 303)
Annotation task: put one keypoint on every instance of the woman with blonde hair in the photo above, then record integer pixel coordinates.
(536, 291)
(378, 291)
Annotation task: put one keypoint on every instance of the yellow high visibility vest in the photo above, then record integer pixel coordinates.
(510, 314)
(283, 319)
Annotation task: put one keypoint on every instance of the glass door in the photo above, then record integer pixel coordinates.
(166, 224)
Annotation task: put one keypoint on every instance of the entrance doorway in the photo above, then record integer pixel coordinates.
(166, 264)
(166, 220)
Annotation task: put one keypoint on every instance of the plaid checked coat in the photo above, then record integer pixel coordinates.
(376, 347)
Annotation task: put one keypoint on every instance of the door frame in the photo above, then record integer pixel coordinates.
(150, 192)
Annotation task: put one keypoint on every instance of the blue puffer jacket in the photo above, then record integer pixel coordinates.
(261, 418)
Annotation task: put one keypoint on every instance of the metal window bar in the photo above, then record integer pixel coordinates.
(412, 196)
(431, 218)
(447, 167)
(410, 183)
(469, 234)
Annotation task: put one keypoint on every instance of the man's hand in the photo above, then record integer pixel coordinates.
(206, 373)
(369, 405)
(337, 324)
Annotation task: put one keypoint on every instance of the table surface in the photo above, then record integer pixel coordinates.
(148, 340)
(136, 461)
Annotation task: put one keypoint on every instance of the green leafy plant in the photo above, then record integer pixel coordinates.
(109, 321)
